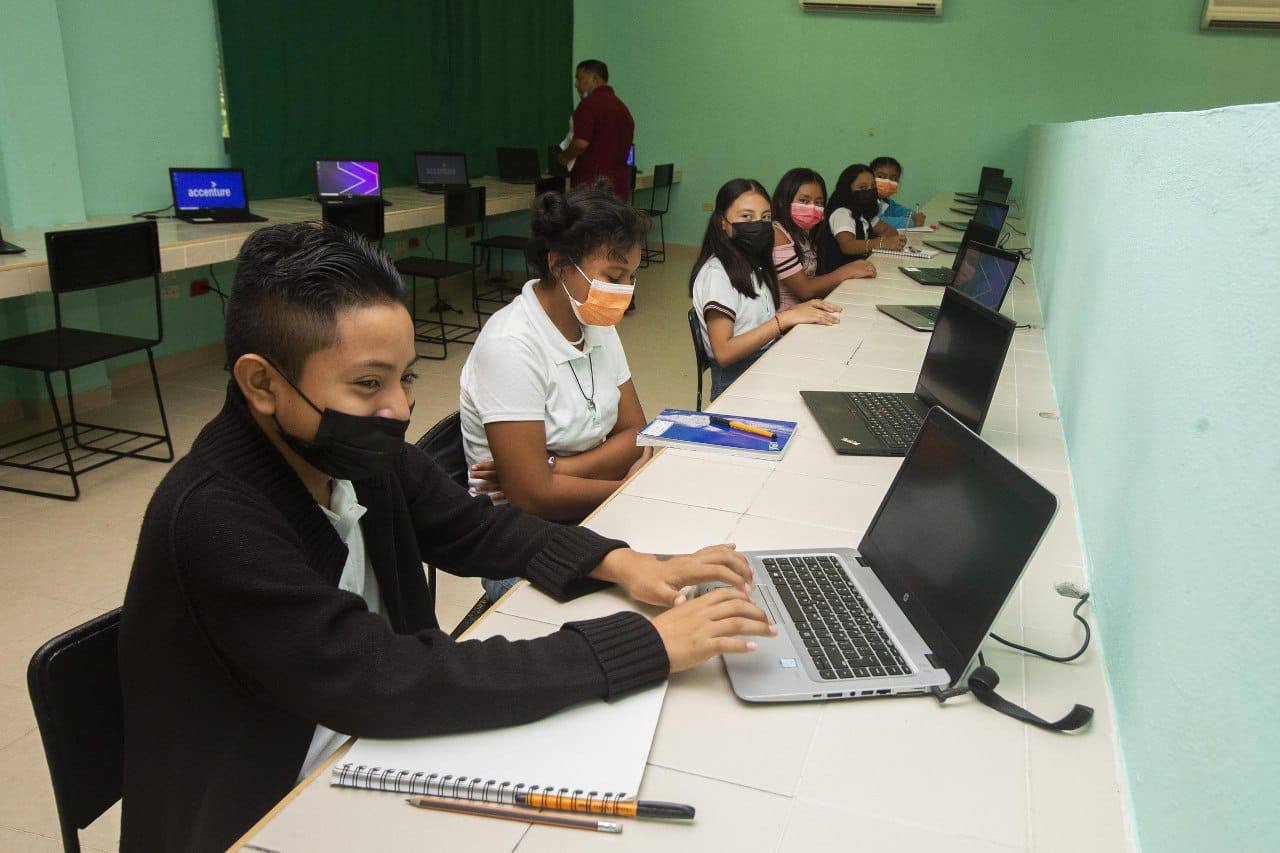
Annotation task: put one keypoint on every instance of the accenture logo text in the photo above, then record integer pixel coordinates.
(211, 191)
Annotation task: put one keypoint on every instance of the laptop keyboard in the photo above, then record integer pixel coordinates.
(889, 418)
(842, 636)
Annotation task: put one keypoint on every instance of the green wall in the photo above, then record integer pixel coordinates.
(1163, 328)
(755, 87)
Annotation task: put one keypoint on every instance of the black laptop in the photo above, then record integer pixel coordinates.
(348, 182)
(989, 214)
(997, 191)
(7, 248)
(989, 173)
(440, 171)
(519, 165)
(210, 195)
(984, 274)
(941, 276)
(960, 371)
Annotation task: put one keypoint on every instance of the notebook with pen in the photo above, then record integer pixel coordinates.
(594, 749)
(758, 438)
(909, 252)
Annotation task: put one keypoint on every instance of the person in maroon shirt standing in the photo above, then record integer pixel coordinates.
(602, 131)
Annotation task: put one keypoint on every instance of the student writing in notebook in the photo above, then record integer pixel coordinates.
(798, 207)
(549, 410)
(854, 228)
(278, 600)
(735, 289)
(888, 172)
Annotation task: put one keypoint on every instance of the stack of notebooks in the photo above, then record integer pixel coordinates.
(758, 438)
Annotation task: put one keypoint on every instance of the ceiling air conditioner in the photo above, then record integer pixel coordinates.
(1241, 15)
(881, 7)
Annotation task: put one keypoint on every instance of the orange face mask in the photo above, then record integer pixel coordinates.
(886, 187)
(605, 304)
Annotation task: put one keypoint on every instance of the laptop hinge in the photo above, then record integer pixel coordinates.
(862, 561)
(933, 660)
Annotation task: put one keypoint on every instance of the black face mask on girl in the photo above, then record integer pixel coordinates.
(753, 238)
(865, 203)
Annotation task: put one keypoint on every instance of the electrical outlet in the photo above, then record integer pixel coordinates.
(413, 242)
(708, 206)
(169, 291)
(199, 286)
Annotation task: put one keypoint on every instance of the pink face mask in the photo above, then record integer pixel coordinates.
(806, 215)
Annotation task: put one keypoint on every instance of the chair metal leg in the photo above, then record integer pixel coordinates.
(164, 419)
(62, 438)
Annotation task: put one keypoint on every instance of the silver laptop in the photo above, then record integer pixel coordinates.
(908, 610)
(984, 273)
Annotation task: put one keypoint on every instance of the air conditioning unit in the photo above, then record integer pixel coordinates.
(879, 7)
(1241, 15)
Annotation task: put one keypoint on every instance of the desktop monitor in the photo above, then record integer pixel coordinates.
(347, 178)
(208, 189)
(440, 171)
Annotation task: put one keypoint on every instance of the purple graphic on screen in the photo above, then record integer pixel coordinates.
(347, 177)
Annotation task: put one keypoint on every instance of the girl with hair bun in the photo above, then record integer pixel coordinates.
(549, 411)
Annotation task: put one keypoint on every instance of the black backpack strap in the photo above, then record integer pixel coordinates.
(983, 682)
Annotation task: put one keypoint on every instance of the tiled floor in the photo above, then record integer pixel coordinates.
(67, 562)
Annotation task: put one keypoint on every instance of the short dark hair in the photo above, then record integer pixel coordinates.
(291, 283)
(576, 223)
(886, 161)
(595, 66)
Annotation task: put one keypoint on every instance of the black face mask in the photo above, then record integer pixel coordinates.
(865, 203)
(348, 447)
(753, 238)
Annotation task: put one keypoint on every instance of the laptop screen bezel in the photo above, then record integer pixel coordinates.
(466, 173)
(945, 651)
(197, 211)
(332, 196)
(955, 301)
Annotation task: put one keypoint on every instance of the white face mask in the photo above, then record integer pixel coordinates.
(605, 304)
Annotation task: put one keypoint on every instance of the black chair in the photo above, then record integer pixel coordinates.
(462, 207)
(364, 216)
(443, 443)
(82, 260)
(663, 177)
(501, 290)
(701, 359)
(74, 682)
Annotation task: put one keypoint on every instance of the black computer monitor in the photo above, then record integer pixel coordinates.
(440, 171)
(965, 356)
(985, 273)
(953, 535)
(518, 165)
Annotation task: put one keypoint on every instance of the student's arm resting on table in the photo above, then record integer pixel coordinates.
(519, 450)
(728, 348)
(614, 459)
(807, 287)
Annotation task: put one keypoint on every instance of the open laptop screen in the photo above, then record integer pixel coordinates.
(440, 169)
(989, 174)
(991, 214)
(955, 530)
(202, 189)
(340, 178)
(965, 355)
(985, 273)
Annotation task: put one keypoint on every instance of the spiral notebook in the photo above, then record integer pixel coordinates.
(909, 252)
(592, 747)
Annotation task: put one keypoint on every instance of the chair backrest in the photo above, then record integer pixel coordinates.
(89, 258)
(443, 443)
(464, 206)
(663, 177)
(362, 216)
(74, 682)
(699, 351)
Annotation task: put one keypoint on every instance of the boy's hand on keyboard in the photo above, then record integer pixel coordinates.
(658, 578)
(711, 624)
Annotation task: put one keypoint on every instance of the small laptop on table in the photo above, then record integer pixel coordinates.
(210, 195)
(519, 165)
(941, 276)
(989, 173)
(907, 611)
(989, 214)
(440, 171)
(342, 181)
(984, 274)
(961, 368)
(998, 191)
(7, 248)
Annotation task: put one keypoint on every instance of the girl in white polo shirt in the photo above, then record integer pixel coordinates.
(735, 288)
(549, 411)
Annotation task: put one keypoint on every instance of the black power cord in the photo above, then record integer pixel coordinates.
(1072, 591)
(151, 214)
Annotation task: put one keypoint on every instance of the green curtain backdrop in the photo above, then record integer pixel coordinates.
(382, 79)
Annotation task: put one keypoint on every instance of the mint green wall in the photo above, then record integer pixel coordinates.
(754, 87)
(1162, 315)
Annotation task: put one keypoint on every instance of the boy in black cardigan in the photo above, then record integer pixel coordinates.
(240, 642)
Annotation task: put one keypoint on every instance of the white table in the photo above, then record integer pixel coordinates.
(881, 775)
(183, 245)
